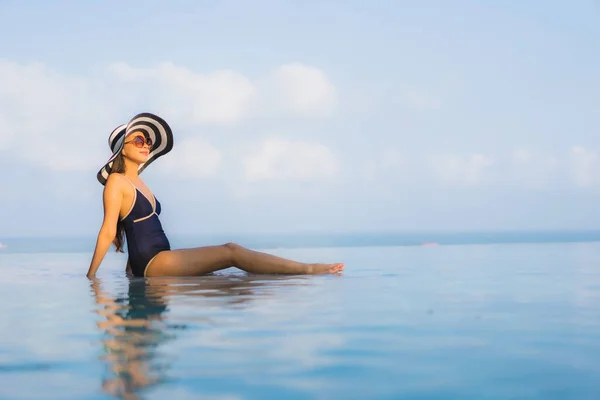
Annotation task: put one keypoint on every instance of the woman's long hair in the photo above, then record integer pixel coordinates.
(119, 167)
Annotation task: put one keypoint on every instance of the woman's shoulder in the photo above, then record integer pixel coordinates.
(115, 181)
(114, 177)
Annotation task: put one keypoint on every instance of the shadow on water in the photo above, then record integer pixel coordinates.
(134, 325)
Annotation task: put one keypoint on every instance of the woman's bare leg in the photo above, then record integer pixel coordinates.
(204, 260)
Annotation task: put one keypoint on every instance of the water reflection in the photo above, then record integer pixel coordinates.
(136, 324)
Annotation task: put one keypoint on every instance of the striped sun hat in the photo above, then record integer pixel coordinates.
(152, 126)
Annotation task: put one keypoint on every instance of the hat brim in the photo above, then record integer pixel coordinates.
(152, 126)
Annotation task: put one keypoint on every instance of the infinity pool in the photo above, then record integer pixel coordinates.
(514, 321)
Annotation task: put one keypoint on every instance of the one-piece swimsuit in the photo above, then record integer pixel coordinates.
(144, 232)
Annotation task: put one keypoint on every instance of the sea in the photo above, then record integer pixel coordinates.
(463, 315)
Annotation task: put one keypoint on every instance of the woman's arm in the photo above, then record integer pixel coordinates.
(112, 197)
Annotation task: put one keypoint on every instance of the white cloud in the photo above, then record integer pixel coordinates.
(585, 166)
(62, 122)
(532, 168)
(51, 120)
(280, 159)
(219, 97)
(7, 132)
(191, 158)
(460, 170)
(388, 163)
(298, 89)
(228, 97)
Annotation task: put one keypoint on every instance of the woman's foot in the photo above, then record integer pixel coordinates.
(325, 268)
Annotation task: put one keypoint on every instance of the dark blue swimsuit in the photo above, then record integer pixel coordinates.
(145, 236)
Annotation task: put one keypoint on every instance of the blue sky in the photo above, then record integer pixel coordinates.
(306, 115)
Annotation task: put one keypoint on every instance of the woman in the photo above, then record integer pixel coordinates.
(131, 210)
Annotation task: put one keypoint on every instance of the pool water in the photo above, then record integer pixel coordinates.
(510, 321)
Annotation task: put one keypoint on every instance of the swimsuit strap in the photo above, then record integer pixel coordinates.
(135, 188)
(125, 176)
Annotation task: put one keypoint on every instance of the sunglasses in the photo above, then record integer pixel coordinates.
(139, 141)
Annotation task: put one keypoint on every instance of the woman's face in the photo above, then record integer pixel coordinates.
(137, 147)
